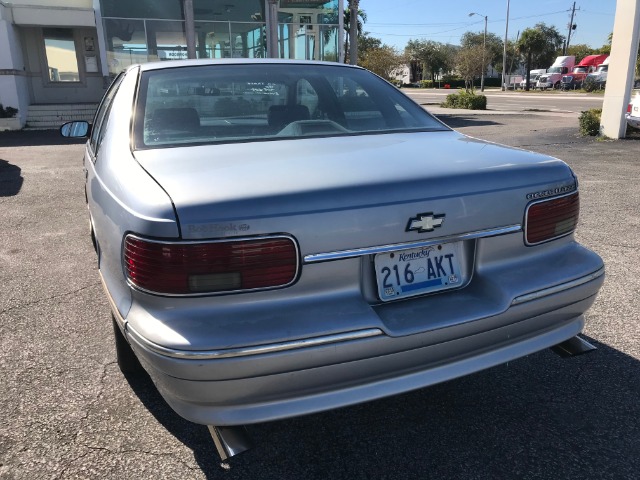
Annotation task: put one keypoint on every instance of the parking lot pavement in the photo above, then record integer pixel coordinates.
(67, 411)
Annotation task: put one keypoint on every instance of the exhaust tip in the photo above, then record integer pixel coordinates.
(573, 347)
(230, 441)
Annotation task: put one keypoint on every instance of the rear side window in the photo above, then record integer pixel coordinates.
(255, 102)
(99, 122)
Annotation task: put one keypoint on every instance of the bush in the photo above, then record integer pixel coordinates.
(590, 85)
(464, 99)
(7, 112)
(426, 84)
(590, 122)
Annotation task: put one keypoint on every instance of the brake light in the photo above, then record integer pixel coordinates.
(550, 219)
(184, 268)
(629, 108)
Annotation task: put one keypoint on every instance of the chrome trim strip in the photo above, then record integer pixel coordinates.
(358, 252)
(255, 350)
(558, 288)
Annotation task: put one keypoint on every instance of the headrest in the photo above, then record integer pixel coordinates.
(185, 118)
(281, 115)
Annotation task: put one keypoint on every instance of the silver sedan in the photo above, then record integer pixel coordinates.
(280, 238)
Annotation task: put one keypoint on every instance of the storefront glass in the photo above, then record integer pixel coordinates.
(150, 30)
(230, 40)
(308, 29)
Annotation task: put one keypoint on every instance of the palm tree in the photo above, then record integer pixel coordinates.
(361, 19)
(531, 42)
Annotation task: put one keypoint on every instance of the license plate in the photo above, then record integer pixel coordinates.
(406, 273)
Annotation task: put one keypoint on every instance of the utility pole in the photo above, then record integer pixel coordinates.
(484, 49)
(504, 52)
(573, 12)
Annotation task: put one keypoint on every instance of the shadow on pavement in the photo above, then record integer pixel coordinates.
(34, 138)
(194, 436)
(457, 121)
(538, 417)
(10, 179)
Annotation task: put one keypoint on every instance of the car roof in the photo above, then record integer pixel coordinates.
(231, 61)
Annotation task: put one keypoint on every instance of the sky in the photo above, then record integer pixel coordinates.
(396, 22)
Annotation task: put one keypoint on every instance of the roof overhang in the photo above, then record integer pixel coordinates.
(50, 16)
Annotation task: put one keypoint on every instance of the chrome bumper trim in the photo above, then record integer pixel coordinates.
(255, 350)
(358, 252)
(558, 288)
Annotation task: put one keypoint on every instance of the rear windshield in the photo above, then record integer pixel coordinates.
(254, 102)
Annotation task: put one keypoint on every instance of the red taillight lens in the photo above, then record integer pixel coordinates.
(551, 219)
(209, 267)
(629, 108)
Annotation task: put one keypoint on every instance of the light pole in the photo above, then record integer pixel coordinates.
(484, 49)
(504, 52)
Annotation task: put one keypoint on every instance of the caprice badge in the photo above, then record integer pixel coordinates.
(425, 222)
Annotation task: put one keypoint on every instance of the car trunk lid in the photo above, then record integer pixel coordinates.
(350, 192)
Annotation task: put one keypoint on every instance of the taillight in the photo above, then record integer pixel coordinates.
(629, 108)
(187, 268)
(549, 219)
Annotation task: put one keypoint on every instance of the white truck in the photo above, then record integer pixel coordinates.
(560, 67)
(600, 75)
(534, 76)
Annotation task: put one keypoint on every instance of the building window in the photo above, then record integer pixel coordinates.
(308, 29)
(60, 50)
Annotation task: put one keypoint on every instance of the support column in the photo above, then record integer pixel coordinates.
(624, 51)
(102, 44)
(340, 33)
(353, 31)
(190, 28)
(272, 28)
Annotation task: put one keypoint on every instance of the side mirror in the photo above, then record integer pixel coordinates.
(77, 129)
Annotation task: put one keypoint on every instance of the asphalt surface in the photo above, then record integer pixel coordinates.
(68, 412)
(519, 101)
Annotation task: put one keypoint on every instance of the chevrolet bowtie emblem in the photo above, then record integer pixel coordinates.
(425, 222)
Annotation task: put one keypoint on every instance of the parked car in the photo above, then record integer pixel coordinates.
(633, 110)
(299, 236)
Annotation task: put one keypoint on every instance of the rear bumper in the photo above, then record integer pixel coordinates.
(633, 121)
(258, 387)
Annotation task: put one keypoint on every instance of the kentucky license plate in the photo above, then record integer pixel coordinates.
(406, 273)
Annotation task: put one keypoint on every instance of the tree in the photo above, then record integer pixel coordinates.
(531, 42)
(434, 56)
(494, 46)
(606, 49)
(513, 57)
(361, 19)
(385, 61)
(367, 42)
(469, 64)
(539, 46)
(580, 51)
(553, 45)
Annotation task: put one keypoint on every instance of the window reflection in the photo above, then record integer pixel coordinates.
(307, 29)
(60, 50)
(126, 43)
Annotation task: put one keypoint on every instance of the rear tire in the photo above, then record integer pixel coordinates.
(127, 360)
